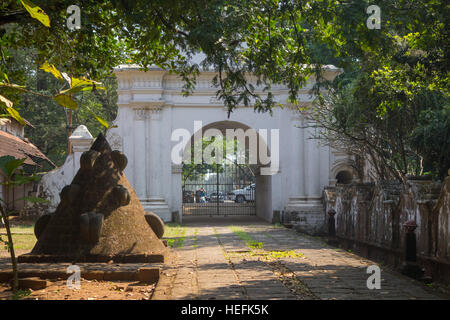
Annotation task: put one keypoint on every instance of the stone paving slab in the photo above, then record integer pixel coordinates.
(89, 271)
(215, 263)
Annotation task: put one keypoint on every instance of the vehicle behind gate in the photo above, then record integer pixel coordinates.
(227, 189)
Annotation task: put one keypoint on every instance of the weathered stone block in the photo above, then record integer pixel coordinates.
(120, 159)
(148, 275)
(155, 223)
(276, 216)
(32, 283)
(121, 195)
(119, 275)
(91, 226)
(99, 217)
(93, 275)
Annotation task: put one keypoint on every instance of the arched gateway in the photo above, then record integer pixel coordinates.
(238, 181)
(152, 108)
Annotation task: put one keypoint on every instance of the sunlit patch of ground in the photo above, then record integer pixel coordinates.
(89, 290)
(23, 239)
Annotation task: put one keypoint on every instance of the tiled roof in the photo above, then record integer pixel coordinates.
(18, 148)
(28, 123)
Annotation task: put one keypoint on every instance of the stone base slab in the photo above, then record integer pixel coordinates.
(158, 207)
(125, 258)
(99, 272)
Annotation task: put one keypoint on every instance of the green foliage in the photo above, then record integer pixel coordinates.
(431, 139)
(393, 70)
(9, 165)
(249, 241)
(36, 12)
(49, 132)
(175, 235)
(193, 171)
(14, 38)
(14, 175)
(275, 255)
(392, 78)
(20, 294)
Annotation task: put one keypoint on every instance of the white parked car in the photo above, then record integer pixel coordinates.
(244, 194)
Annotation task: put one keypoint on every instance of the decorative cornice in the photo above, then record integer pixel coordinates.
(147, 112)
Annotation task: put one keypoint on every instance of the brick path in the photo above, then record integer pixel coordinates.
(215, 263)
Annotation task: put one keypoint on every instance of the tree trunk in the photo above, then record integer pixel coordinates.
(11, 250)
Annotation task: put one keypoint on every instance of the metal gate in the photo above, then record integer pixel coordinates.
(218, 190)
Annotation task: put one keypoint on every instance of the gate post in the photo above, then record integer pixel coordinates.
(263, 197)
(410, 266)
(332, 228)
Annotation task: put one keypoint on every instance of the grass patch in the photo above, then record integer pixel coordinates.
(23, 237)
(249, 241)
(268, 235)
(175, 235)
(20, 294)
(280, 254)
(24, 241)
(257, 247)
(278, 225)
(20, 241)
(29, 228)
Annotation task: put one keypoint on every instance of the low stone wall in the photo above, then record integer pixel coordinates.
(311, 222)
(369, 219)
(54, 181)
(50, 186)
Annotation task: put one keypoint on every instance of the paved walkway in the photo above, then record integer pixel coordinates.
(224, 258)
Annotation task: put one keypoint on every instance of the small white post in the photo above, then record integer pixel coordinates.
(81, 140)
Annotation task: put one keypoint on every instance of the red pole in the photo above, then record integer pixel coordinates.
(69, 145)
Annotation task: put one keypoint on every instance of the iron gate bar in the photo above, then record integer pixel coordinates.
(217, 188)
(219, 201)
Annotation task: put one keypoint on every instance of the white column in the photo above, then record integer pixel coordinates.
(313, 165)
(298, 164)
(305, 209)
(154, 165)
(155, 201)
(140, 152)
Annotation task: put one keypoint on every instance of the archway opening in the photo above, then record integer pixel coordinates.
(344, 177)
(226, 180)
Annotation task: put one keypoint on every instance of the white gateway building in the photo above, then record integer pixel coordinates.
(152, 107)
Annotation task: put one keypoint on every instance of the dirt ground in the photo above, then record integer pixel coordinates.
(90, 290)
(24, 241)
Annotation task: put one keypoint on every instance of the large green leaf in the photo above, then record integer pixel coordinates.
(13, 86)
(20, 179)
(36, 12)
(3, 161)
(4, 76)
(52, 69)
(15, 114)
(77, 82)
(79, 89)
(66, 101)
(102, 121)
(34, 199)
(9, 165)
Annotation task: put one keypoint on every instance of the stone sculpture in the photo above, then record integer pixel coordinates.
(99, 217)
